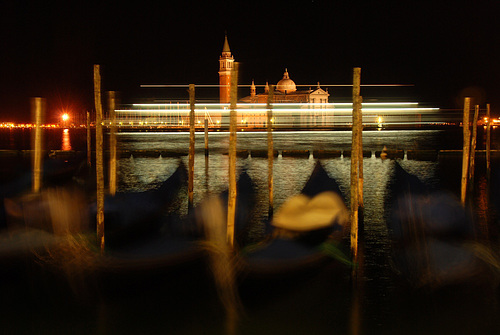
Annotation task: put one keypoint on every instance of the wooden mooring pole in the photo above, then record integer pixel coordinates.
(99, 157)
(361, 204)
(206, 135)
(37, 110)
(191, 147)
(466, 150)
(89, 142)
(231, 201)
(473, 148)
(488, 142)
(112, 143)
(270, 150)
(355, 156)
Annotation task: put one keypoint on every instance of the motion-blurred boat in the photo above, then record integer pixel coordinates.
(304, 231)
(16, 199)
(430, 233)
(195, 225)
(177, 255)
(130, 216)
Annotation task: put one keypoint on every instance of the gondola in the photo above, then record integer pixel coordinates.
(195, 224)
(430, 232)
(15, 192)
(176, 257)
(303, 231)
(130, 216)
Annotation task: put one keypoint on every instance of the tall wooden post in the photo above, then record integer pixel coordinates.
(270, 149)
(37, 110)
(473, 148)
(360, 155)
(356, 102)
(466, 149)
(89, 141)
(191, 147)
(206, 136)
(231, 202)
(488, 142)
(112, 143)
(99, 157)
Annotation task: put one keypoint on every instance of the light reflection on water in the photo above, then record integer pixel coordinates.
(290, 175)
(299, 140)
(66, 140)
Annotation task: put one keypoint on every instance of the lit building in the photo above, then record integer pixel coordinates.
(226, 61)
(286, 91)
(292, 108)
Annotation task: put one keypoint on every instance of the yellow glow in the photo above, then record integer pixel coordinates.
(65, 117)
(380, 120)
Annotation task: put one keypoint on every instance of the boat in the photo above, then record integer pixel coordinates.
(431, 233)
(195, 225)
(304, 231)
(177, 248)
(130, 216)
(15, 192)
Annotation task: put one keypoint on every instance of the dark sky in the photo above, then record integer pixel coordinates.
(443, 48)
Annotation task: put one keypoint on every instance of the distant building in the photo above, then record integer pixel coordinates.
(226, 61)
(291, 108)
(285, 91)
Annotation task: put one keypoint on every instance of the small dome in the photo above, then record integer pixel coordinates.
(286, 85)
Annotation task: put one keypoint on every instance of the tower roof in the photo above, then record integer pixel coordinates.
(225, 48)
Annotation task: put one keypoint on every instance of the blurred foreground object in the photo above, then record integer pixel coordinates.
(432, 234)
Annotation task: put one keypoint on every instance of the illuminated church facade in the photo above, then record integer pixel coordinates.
(285, 92)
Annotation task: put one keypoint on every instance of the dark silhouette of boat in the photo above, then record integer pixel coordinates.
(195, 224)
(431, 233)
(132, 216)
(16, 192)
(319, 217)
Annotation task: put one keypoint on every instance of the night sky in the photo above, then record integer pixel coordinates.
(446, 49)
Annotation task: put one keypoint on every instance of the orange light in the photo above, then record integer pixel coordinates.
(65, 117)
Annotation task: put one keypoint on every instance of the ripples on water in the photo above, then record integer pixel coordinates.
(290, 175)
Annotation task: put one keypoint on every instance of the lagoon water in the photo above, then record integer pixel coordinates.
(383, 309)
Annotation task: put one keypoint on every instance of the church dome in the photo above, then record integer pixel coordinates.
(286, 85)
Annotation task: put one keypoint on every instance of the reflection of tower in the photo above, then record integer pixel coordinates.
(225, 67)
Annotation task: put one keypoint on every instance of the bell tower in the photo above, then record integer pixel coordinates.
(225, 66)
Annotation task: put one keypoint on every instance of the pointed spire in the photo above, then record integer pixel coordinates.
(266, 88)
(252, 89)
(225, 48)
